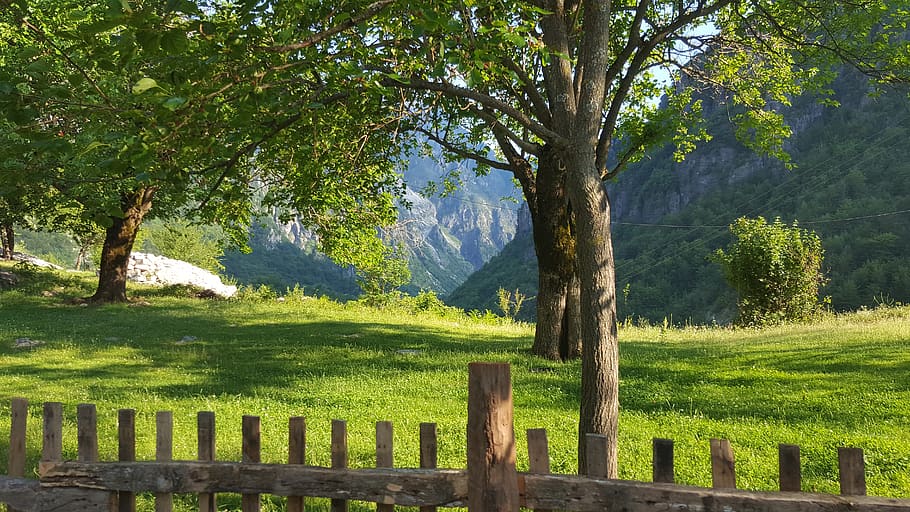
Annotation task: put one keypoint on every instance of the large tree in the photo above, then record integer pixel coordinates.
(178, 104)
(565, 93)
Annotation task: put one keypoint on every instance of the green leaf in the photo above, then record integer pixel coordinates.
(38, 66)
(174, 41)
(174, 103)
(144, 84)
(29, 53)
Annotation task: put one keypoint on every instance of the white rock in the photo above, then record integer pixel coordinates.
(160, 270)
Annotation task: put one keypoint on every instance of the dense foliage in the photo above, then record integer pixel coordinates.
(850, 184)
(775, 270)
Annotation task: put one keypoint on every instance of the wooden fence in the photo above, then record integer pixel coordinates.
(490, 482)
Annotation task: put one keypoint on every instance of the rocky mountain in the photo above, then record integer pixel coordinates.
(851, 185)
(446, 238)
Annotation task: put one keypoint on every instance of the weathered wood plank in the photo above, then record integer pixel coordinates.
(428, 452)
(577, 494)
(126, 452)
(164, 452)
(296, 455)
(491, 439)
(52, 441)
(251, 452)
(791, 474)
(19, 493)
(18, 427)
(339, 455)
(70, 500)
(852, 471)
(205, 437)
(17, 434)
(596, 455)
(411, 487)
(538, 453)
(384, 455)
(87, 432)
(723, 465)
(662, 453)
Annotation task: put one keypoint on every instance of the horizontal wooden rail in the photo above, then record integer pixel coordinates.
(411, 487)
(578, 494)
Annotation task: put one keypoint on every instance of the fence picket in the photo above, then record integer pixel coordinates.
(87, 432)
(164, 452)
(790, 468)
(339, 457)
(492, 478)
(251, 452)
(538, 454)
(17, 434)
(296, 455)
(52, 441)
(596, 455)
(428, 452)
(205, 430)
(723, 465)
(126, 452)
(384, 455)
(662, 453)
(852, 471)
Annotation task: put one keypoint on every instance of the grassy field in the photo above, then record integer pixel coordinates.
(841, 382)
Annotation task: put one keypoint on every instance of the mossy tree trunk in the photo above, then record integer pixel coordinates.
(118, 244)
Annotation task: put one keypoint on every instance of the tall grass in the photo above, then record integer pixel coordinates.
(842, 382)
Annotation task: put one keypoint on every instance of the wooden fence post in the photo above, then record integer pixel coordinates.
(723, 465)
(492, 478)
(87, 432)
(63, 498)
(538, 453)
(17, 433)
(428, 452)
(596, 455)
(205, 429)
(126, 452)
(164, 452)
(852, 471)
(384, 455)
(790, 468)
(296, 455)
(251, 452)
(52, 442)
(662, 471)
(339, 457)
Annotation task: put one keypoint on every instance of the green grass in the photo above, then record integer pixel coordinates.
(841, 382)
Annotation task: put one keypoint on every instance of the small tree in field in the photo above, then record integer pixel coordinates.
(775, 269)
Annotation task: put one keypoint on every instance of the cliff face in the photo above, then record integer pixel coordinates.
(448, 238)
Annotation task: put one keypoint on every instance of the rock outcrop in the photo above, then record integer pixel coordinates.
(158, 270)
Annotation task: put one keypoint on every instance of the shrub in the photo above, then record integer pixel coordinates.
(775, 269)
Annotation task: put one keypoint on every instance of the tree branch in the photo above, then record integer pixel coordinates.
(487, 102)
(370, 11)
(464, 153)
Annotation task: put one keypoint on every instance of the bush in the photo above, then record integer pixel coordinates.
(775, 269)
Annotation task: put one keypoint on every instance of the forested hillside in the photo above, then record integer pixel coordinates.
(851, 185)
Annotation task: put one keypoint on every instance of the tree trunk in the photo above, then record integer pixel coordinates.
(570, 346)
(118, 244)
(555, 247)
(599, 412)
(8, 239)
